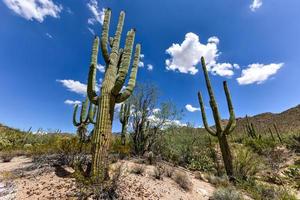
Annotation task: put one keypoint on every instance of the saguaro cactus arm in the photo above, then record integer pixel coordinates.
(209, 130)
(84, 105)
(104, 36)
(125, 62)
(92, 74)
(117, 38)
(232, 121)
(131, 83)
(212, 100)
(75, 123)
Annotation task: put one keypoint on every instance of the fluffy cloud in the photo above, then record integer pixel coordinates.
(78, 87)
(74, 86)
(149, 67)
(71, 102)
(101, 68)
(190, 108)
(98, 15)
(185, 56)
(258, 73)
(255, 5)
(34, 9)
(141, 63)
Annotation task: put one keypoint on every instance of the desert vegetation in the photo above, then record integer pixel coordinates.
(248, 157)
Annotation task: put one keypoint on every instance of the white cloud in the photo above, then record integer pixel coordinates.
(34, 9)
(255, 5)
(258, 73)
(141, 63)
(74, 86)
(91, 31)
(149, 67)
(101, 68)
(71, 102)
(185, 56)
(190, 108)
(49, 35)
(98, 15)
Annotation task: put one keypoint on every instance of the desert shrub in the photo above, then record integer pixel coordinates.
(261, 146)
(169, 171)
(246, 163)
(138, 169)
(7, 156)
(184, 146)
(266, 192)
(158, 172)
(293, 175)
(228, 193)
(201, 162)
(150, 158)
(116, 147)
(294, 142)
(182, 180)
(217, 180)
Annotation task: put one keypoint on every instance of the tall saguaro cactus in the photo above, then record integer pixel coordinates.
(220, 132)
(124, 117)
(117, 65)
(84, 120)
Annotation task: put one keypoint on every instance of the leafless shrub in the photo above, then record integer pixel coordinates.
(138, 169)
(182, 180)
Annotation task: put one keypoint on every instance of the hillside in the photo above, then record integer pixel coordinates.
(286, 121)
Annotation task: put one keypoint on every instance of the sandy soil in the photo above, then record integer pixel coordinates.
(57, 183)
(145, 186)
(17, 181)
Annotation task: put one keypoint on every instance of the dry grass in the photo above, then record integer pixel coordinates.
(182, 180)
(138, 169)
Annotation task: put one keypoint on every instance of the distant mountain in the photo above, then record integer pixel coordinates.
(286, 121)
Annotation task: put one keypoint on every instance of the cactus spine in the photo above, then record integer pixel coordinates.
(84, 120)
(124, 117)
(219, 132)
(117, 66)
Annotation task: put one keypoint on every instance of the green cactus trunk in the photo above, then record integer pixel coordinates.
(226, 155)
(117, 66)
(102, 134)
(220, 132)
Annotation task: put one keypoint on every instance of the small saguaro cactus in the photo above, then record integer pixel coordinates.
(124, 117)
(84, 120)
(117, 62)
(220, 132)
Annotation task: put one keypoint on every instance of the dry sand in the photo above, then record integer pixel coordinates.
(57, 183)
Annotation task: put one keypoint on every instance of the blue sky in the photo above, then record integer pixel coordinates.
(45, 51)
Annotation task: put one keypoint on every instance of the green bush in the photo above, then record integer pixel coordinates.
(246, 163)
(228, 193)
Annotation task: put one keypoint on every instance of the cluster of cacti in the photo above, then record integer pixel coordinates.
(276, 131)
(124, 117)
(250, 129)
(220, 132)
(117, 62)
(84, 120)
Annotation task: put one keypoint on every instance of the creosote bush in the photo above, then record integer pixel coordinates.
(138, 169)
(228, 193)
(182, 180)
